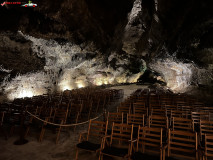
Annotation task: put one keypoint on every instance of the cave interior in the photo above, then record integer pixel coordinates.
(69, 65)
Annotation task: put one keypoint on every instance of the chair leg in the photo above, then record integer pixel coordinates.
(4, 132)
(41, 134)
(76, 156)
(58, 134)
(12, 130)
(100, 157)
(27, 131)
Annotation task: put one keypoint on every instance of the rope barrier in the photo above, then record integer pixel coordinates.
(63, 125)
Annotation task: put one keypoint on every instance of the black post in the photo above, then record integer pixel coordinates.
(21, 140)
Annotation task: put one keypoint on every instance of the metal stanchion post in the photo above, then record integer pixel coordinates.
(21, 140)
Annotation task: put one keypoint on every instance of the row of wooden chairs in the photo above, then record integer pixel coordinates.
(149, 142)
(156, 123)
(58, 108)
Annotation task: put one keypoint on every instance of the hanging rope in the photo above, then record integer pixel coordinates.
(63, 125)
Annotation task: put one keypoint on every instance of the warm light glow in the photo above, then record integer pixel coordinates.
(21, 94)
(25, 93)
(65, 85)
(105, 82)
(28, 85)
(80, 85)
(66, 88)
(99, 82)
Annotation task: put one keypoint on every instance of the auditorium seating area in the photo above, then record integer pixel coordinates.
(58, 111)
(156, 124)
(149, 124)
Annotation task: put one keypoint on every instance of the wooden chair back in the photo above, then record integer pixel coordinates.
(46, 112)
(142, 111)
(169, 108)
(139, 105)
(182, 124)
(124, 109)
(115, 117)
(60, 115)
(158, 121)
(186, 108)
(97, 129)
(155, 106)
(135, 119)
(197, 116)
(208, 152)
(159, 112)
(122, 133)
(206, 127)
(150, 140)
(182, 144)
(179, 114)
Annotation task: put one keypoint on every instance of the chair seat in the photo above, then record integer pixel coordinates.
(119, 152)
(88, 146)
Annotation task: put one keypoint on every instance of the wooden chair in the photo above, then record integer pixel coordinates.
(158, 112)
(103, 102)
(206, 127)
(60, 117)
(139, 104)
(182, 124)
(155, 106)
(182, 144)
(208, 151)
(91, 140)
(149, 144)
(142, 99)
(179, 114)
(166, 101)
(169, 108)
(154, 98)
(75, 112)
(135, 119)
(86, 110)
(158, 121)
(124, 109)
(179, 104)
(139, 110)
(96, 105)
(187, 108)
(204, 109)
(122, 134)
(197, 104)
(45, 114)
(114, 118)
(197, 116)
(1, 124)
(66, 93)
(35, 110)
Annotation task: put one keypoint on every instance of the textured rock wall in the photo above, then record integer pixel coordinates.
(16, 56)
(118, 34)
